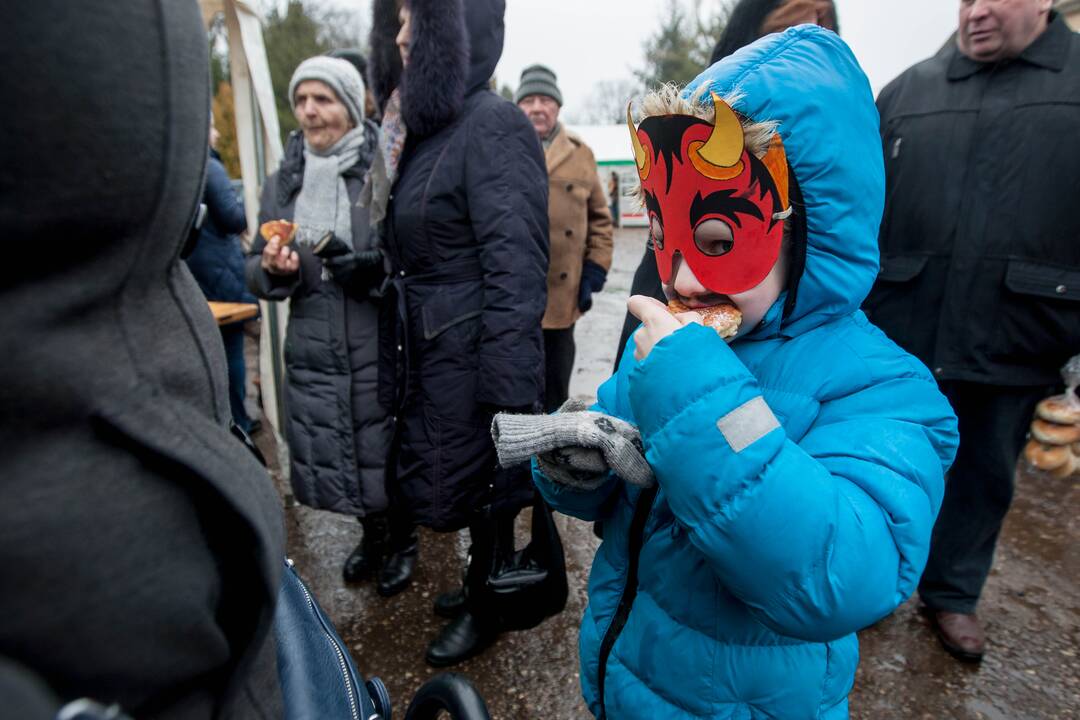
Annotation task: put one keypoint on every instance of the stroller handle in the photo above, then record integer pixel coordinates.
(450, 692)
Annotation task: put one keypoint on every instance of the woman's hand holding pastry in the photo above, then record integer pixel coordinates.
(278, 259)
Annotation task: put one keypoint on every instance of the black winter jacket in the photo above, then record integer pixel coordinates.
(468, 236)
(338, 432)
(980, 239)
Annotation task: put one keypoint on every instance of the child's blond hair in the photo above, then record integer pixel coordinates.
(668, 100)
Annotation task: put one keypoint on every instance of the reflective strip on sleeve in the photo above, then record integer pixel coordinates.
(747, 423)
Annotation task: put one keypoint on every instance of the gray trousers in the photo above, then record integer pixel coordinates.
(993, 423)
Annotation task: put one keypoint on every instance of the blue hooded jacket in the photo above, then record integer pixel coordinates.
(777, 529)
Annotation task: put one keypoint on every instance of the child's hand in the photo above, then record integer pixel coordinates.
(658, 322)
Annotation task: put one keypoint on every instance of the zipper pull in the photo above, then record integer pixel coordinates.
(896, 148)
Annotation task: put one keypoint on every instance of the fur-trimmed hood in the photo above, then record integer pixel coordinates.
(456, 46)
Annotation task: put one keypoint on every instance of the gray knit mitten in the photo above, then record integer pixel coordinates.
(574, 446)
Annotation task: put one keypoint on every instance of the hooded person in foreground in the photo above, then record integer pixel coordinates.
(140, 543)
(778, 491)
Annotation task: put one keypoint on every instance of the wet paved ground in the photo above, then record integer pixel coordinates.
(1031, 605)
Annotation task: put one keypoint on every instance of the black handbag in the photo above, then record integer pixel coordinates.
(525, 587)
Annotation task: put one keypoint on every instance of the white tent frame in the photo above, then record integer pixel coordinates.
(259, 142)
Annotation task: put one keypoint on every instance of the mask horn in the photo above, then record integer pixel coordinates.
(724, 148)
(640, 156)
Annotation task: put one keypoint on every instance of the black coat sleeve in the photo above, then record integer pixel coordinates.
(507, 194)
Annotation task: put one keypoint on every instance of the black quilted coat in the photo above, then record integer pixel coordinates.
(468, 236)
(338, 432)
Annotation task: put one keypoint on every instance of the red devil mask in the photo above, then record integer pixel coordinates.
(711, 200)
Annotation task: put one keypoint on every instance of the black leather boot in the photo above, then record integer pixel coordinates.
(450, 604)
(462, 638)
(367, 558)
(396, 574)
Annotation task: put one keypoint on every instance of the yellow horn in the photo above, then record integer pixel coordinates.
(640, 156)
(724, 147)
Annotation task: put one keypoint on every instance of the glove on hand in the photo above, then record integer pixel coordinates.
(356, 272)
(569, 467)
(592, 280)
(574, 446)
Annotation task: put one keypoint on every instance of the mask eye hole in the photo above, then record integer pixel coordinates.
(656, 230)
(714, 237)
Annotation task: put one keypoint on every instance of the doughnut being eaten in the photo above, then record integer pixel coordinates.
(723, 318)
(284, 230)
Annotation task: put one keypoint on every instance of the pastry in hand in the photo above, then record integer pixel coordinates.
(284, 230)
(723, 318)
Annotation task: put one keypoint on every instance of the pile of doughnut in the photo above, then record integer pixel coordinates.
(1054, 446)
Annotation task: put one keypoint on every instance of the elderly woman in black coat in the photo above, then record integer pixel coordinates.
(337, 430)
(463, 186)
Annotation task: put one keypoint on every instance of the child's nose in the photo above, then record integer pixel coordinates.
(686, 283)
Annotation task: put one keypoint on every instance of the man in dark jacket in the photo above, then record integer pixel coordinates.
(140, 543)
(980, 255)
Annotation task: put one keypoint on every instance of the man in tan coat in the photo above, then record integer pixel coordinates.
(580, 227)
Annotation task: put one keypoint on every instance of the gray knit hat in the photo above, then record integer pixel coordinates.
(538, 80)
(340, 75)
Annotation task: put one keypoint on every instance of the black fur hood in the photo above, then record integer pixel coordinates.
(457, 45)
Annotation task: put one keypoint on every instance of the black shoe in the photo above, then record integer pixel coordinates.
(462, 638)
(450, 604)
(361, 563)
(396, 574)
(367, 558)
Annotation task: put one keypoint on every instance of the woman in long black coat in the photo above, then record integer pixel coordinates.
(466, 229)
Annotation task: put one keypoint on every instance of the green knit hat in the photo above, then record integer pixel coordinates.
(538, 80)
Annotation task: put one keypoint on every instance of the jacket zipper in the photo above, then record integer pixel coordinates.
(642, 509)
(342, 665)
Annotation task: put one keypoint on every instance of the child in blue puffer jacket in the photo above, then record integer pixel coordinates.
(798, 466)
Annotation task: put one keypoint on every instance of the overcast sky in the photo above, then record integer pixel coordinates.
(586, 41)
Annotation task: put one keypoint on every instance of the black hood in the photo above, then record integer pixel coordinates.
(456, 46)
(484, 20)
(101, 173)
(69, 191)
